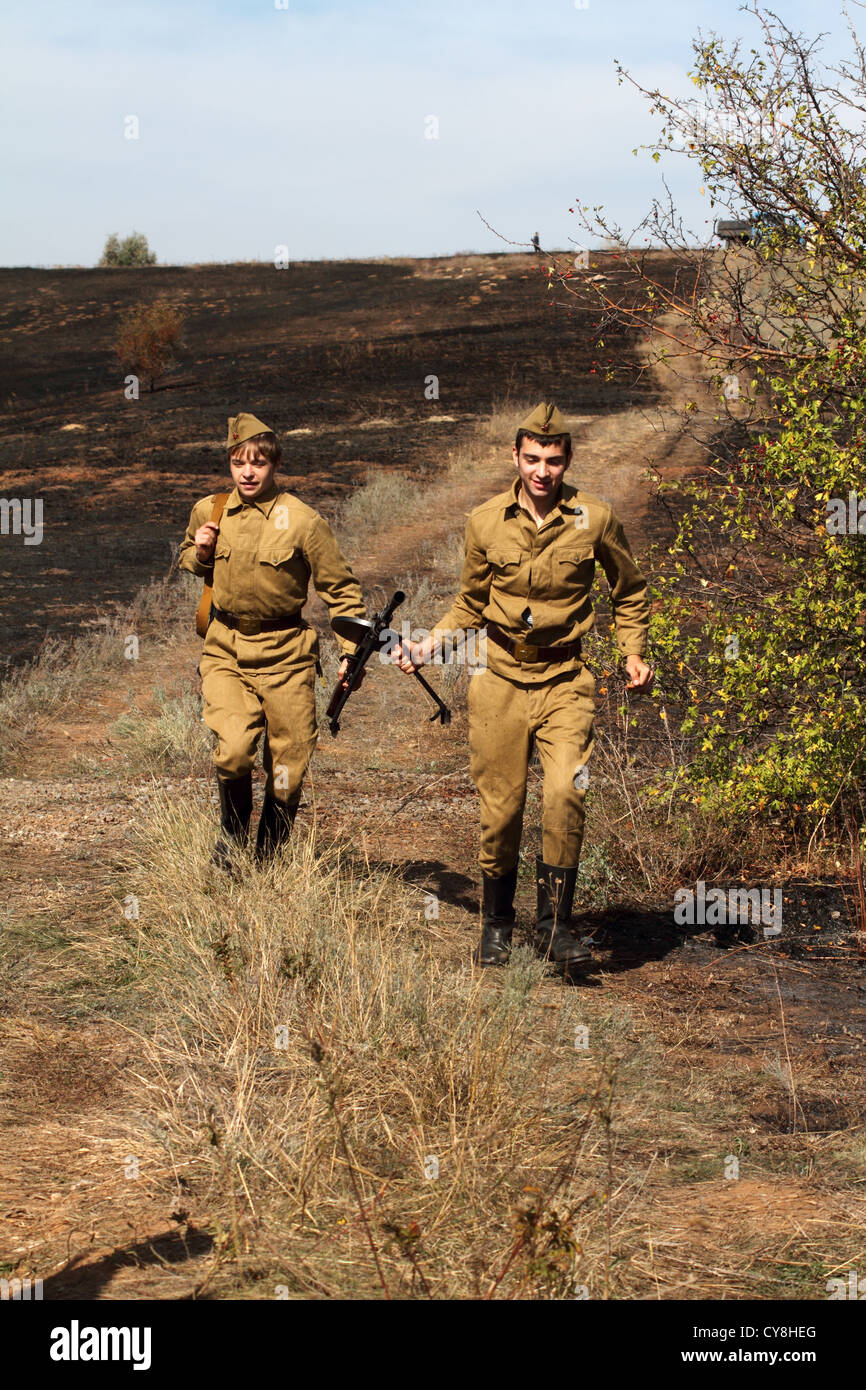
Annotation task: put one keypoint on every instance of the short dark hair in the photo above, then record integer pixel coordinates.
(268, 445)
(563, 439)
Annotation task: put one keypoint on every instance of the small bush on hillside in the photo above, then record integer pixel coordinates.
(147, 338)
(133, 250)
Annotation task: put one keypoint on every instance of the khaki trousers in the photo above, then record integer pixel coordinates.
(242, 699)
(505, 718)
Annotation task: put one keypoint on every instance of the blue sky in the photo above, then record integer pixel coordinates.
(305, 126)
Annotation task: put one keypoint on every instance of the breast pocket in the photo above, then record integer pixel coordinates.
(573, 571)
(576, 561)
(277, 555)
(504, 562)
(222, 550)
(283, 576)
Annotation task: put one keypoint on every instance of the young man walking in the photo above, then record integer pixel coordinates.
(528, 569)
(260, 550)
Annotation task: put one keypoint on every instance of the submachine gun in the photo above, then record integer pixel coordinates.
(370, 636)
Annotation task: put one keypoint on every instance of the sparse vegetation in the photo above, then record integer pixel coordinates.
(59, 675)
(133, 250)
(147, 338)
(172, 738)
(312, 1041)
(381, 499)
(66, 671)
(761, 624)
(316, 1062)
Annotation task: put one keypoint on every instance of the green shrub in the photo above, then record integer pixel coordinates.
(133, 250)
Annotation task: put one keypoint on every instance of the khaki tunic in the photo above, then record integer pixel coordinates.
(267, 553)
(534, 583)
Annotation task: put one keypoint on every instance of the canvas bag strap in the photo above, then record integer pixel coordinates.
(202, 617)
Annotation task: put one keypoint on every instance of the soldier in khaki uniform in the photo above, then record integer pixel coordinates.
(528, 569)
(259, 661)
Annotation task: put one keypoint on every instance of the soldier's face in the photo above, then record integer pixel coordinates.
(541, 467)
(252, 472)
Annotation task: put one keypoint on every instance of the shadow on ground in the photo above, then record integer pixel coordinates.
(77, 1280)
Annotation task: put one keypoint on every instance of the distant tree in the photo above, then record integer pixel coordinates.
(133, 250)
(147, 338)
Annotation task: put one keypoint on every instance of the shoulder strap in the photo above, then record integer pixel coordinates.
(219, 503)
(202, 617)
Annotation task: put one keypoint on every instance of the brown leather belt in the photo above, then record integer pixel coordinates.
(523, 651)
(251, 627)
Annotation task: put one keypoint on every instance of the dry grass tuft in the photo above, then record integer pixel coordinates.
(64, 671)
(366, 1117)
(171, 738)
(370, 508)
(56, 677)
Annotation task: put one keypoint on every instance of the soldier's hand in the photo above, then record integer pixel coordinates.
(408, 656)
(205, 540)
(642, 675)
(343, 672)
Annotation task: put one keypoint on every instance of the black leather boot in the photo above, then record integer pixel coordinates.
(275, 825)
(497, 922)
(555, 935)
(236, 807)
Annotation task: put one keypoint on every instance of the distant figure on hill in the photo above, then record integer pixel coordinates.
(535, 242)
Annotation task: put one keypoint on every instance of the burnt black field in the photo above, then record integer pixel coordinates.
(339, 349)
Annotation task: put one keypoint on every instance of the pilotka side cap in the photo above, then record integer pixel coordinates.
(243, 427)
(545, 419)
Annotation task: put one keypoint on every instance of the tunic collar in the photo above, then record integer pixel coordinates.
(567, 504)
(263, 503)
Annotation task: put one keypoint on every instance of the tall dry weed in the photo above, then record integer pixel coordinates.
(364, 1114)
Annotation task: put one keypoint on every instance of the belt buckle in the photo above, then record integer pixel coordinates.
(524, 652)
(249, 627)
